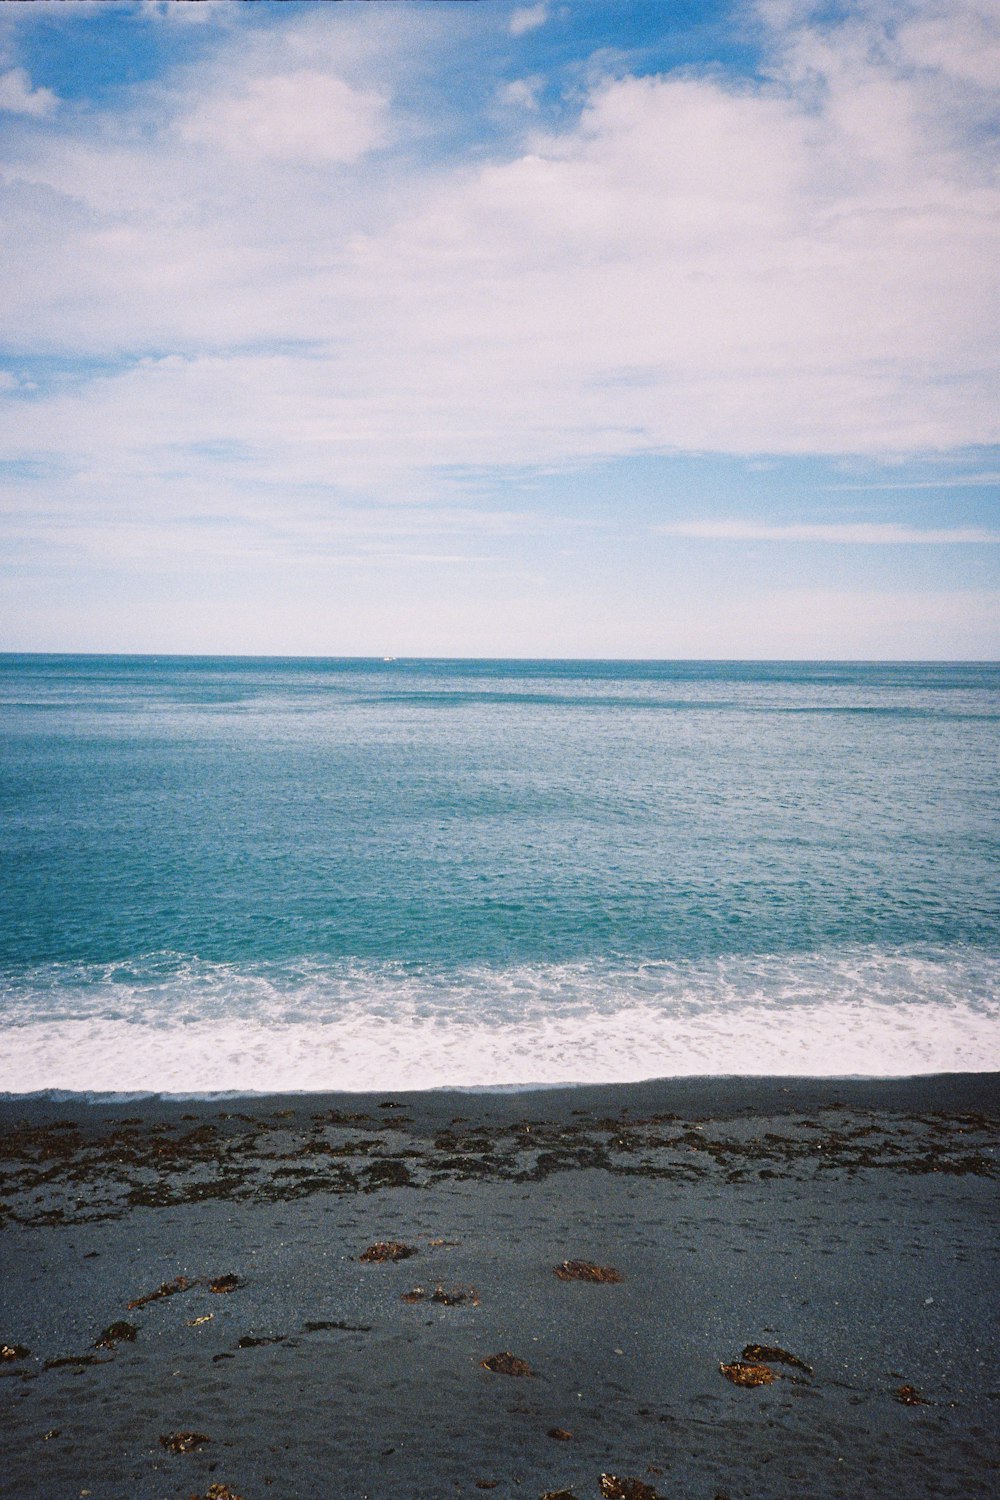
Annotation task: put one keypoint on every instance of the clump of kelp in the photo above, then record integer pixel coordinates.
(224, 1284)
(908, 1395)
(117, 1333)
(183, 1442)
(771, 1354)
(445, 1296)
(387, 1250)
(218, 1284)
(754, 1367)
(613, 1488)
(165, 1289)
(742, 1372)
(583, 1270)
(506, 1363)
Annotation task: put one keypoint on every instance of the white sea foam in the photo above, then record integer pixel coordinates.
(168, 1025)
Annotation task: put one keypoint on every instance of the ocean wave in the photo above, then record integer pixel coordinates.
(167, 1023)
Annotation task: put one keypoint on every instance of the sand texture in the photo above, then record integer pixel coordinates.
(757, 1289)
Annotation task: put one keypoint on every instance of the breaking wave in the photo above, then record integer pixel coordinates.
(166, 1023)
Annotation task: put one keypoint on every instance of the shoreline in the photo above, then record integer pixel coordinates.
(721, 1094)
(848, 1223)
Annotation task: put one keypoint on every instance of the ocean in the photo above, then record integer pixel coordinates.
(240, 875)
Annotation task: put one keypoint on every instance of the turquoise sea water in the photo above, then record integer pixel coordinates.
(224, 873)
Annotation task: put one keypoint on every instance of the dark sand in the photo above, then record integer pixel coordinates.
(853, 1224)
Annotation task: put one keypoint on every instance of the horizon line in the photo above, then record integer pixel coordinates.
(394, 660)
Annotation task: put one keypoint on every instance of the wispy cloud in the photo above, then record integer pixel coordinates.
(527, 18)
(857, 533)
(17, 97)
(522, 93)
(987, 480)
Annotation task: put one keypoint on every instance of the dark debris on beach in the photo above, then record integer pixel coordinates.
(755, 1366)
(908, 1395)
(583, 1270)
(183, 1442)
(117, 1333)
(166, 1289)
(743, 1372)
(74, 1361)
(221, 1285)
(387, 1250)
(614, 1488)
(770, 1354)
(455, 1296)
(60, 1173)
(506, 1363)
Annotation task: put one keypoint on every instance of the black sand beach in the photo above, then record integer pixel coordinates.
(851, 1225)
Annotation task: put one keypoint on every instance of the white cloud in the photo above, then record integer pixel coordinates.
(527, 18)
(969, 50)
(301, 116)
(795, 267)
(521, 93)
(859, 533)
(804, 265)
(17, 97)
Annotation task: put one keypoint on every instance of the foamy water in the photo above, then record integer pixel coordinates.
(166, 1026)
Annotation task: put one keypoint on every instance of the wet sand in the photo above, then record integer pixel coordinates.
(850, 1224)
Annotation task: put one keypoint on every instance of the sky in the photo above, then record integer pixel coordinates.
(611, 328)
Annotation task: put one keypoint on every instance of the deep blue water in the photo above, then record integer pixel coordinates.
(168, 819)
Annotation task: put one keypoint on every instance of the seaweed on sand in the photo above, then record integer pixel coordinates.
(506, 1363)
(583, 1270)
(74, 1361)
(614, 1488)
(165, 1289)
(455, 1296)
(745, 1373)
(115, 1334)
(771, 1354)
(183, 1442)
(222, 1284)
(387, 1250)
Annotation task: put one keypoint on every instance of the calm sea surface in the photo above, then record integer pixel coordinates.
(224, 874)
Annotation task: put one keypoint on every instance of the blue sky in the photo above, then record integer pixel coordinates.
(588, 329)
